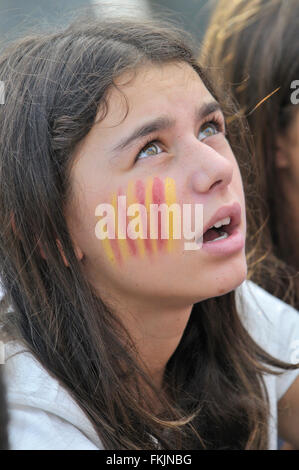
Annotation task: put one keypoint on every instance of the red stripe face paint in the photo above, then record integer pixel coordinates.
(149, 225)
(131, 199)
(158, 196)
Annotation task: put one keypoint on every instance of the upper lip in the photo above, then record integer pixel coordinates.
(233, 211)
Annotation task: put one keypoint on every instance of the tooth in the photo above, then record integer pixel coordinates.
(223, 236)
(218, 224)
(225, 221)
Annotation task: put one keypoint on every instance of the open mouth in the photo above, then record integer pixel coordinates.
(218, 233)
(222, 225)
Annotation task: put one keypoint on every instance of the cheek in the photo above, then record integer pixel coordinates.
(239, 191)
(295, 159)
(238, 182)
(134, 227)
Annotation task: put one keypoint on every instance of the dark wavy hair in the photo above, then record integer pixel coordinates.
(252, 45)
(213, 394)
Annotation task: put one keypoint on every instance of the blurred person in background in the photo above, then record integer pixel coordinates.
(253, 47)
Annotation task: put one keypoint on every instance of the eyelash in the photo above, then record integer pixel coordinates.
(215, 120)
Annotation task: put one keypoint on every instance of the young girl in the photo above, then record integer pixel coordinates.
(253, 45)
(123, 343)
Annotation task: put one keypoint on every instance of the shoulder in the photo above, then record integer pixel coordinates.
(273, 324)
(42, 414)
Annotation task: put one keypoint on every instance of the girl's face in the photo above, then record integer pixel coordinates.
(162, 141)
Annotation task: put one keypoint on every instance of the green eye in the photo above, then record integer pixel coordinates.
(208, 130)
(149, 150)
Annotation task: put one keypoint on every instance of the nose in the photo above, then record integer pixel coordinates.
(212, 171)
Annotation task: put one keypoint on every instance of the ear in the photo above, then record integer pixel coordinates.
(42, 253)
(78, 252)
(13, 226)
(281, 153)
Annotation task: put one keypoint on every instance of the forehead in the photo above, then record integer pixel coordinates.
(153, 89)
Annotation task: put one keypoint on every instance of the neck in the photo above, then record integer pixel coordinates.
(156, 330)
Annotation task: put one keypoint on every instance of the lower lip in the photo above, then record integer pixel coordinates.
(235, 242)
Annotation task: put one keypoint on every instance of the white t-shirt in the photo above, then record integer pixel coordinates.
(43, 415)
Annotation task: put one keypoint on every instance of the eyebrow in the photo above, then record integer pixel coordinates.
(162, 123)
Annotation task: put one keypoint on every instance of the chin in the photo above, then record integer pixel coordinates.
(215, 285)
(229, 281)
(225, 279)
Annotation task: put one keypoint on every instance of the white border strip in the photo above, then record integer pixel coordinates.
(2, 93)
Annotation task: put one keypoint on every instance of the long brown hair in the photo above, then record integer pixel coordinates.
(253, 47)
(54, 87)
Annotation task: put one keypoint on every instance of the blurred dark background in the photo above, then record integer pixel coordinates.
(193, 14)
(19, 16)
